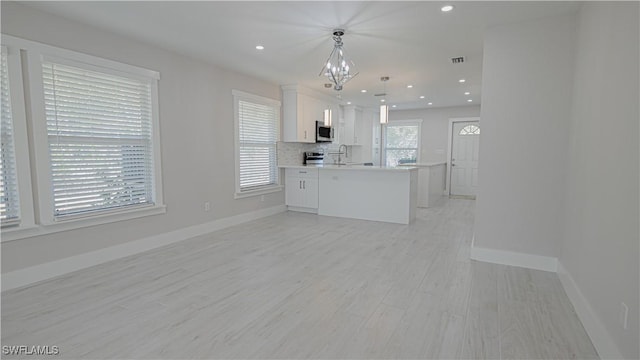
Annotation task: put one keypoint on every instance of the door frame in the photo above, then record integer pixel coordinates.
(447, 186)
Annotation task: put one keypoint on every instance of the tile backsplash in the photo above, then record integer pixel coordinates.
(290, 153)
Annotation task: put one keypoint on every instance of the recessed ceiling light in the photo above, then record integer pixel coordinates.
(446, 8)
(348, 102)
(363, 91)
(409, 86)
(382, 100)
(461, 80)
(421, 96)
(259, 47)
(430, 104)
(393, 105)
(469, 100)
(467, 93)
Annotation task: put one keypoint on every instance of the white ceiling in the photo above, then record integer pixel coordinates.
(411, 42)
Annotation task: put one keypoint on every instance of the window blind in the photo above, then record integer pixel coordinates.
(99, 128)
(10, 205)
(258, 134)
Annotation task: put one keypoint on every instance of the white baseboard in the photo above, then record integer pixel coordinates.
(529, 261)
(602, 341)
(302, 209)
(26, 276)
(604, 344)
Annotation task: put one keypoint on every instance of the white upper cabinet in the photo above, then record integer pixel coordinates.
(297, 126)
(301, 110)
(351, 132)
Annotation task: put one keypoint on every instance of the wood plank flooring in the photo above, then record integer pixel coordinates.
(297, 285)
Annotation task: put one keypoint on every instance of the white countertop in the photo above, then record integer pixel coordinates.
(350, 167)
(426, 164)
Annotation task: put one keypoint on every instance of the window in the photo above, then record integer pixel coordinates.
(257, 127)
(99, 130)
(402, 142)
(9, 206)
(470, 130)
(91, 145)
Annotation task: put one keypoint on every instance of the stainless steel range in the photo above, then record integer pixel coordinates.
(313, 158)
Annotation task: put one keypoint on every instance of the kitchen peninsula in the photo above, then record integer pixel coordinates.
(375, 193)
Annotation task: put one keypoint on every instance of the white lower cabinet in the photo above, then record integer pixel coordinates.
(301, 189)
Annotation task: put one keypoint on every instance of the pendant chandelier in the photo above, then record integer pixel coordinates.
(338, 69)
(384, 109)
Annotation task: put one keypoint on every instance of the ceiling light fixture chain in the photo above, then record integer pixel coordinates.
(338, 68)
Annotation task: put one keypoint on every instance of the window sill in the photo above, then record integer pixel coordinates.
(28, 230)
(262, 191)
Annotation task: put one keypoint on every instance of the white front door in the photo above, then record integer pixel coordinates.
(464, 158)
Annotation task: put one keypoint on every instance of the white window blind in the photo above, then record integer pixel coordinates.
(99, 128)
(9, 206)
(258, 134)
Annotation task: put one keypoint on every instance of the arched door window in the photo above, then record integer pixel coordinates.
(470, 130)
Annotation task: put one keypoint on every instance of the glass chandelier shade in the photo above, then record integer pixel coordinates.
(338, 68)
(384, 114)
(328, 117)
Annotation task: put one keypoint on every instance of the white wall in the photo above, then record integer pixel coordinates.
(527, 81)
(196, 121)
(600, 248)
(559, 158)
(435, 127)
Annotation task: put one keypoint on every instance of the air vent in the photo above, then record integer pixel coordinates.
(457, 60)
(380, 94)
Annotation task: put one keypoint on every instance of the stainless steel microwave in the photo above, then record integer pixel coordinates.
(323, 133)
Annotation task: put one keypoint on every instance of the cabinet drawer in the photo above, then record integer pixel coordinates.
(310, 173)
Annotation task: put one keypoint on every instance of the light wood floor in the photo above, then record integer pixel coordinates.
(298, 285)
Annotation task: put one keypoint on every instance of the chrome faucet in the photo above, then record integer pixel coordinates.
(340, 153)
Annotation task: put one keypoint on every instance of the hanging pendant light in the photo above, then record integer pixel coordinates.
(328, 117)
(384, 108)
(384, 114)
(338, 69)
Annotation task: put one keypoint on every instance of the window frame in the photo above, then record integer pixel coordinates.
(37, 198)
(20, 138)
(413, 122)
(237, 97)
(93, 138)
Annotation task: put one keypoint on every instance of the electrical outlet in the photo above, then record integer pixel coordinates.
(624, 314)
(207, 206)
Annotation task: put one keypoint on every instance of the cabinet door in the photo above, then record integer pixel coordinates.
(294, 194)
(357, 128)
(307, 118)
(348, 125)
(335, 115)
(301, 192)
(352, 127)
(301, 188)
(310, 190)
(290, 112)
